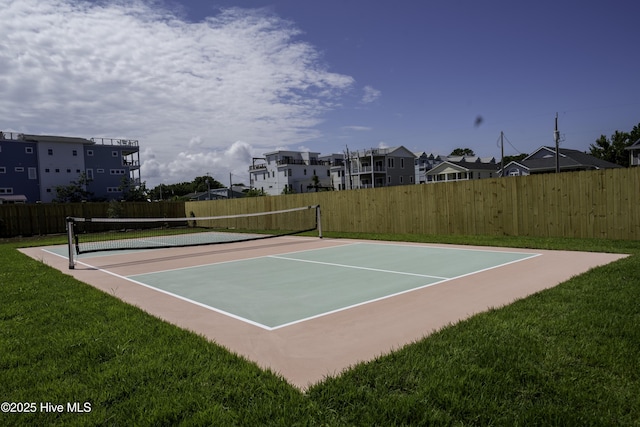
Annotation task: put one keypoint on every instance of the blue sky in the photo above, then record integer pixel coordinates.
(205, 86)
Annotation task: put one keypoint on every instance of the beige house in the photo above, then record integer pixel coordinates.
(463, 168)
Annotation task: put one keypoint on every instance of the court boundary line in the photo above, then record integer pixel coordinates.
(232, 261)
(435, 246)
(355, 267)
(337, 310)
(162, 291)
(403, 292)
(273, 328)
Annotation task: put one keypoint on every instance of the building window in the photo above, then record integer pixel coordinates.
(401, 180)
(8, 190)
(47, 170)
(57, 170)
(114, 154)
(19, 169)
(305, 171)
(402, 163)
(32, 173)
(74, 152)
(90, 153)
(28, 150)
(390, 162)
(89, 173)
(114, 190)
(50, 151)
(3, 169)
(100, 170)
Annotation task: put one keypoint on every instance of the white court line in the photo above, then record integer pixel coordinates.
(355, 267)
(217, 310)
(441, 280)
(401, 292)
(234, 260)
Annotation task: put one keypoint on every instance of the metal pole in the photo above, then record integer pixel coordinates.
(319, 221)
(70, 242)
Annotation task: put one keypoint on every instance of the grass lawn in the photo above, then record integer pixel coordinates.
(566, 356)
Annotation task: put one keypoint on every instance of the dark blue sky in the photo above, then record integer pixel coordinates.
(439, 64)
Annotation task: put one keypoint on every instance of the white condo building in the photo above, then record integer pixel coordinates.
(281, 172)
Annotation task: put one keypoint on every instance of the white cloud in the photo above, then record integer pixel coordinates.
(189, 163)
(370, 95)
(190, 92)
(357, 128)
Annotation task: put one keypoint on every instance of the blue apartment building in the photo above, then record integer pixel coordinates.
(32, 166)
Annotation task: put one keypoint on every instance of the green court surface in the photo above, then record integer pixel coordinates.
(280, 290)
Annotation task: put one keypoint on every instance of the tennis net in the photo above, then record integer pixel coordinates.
(112, 234)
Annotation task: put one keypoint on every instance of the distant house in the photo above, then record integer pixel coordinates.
(380, 167)
(543, 160)
(424, 163)
(33, 166)
(217, 194)
(634, 153)
(286, 171)
(463, 168)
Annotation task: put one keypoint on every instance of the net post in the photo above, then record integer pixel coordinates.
(70, 241)
(319, 221)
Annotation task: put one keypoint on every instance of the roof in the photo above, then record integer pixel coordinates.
(634, 146)
(569, 159)
(13, 198)
(467, 166)
(383, 152)
(53, 138)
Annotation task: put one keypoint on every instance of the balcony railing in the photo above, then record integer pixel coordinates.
(114, 141)
(368, 169)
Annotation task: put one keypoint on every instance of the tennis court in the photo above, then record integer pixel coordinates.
(307, 307)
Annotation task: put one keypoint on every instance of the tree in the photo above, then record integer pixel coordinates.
(75, 192)
(133, 193)
(176, 191)
(462, 152)
(200, 184)
(288, 189)
(613, 149)
(315, 183)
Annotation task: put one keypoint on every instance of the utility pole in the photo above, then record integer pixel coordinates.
(502, 152)
(556, 135)
(208, 188)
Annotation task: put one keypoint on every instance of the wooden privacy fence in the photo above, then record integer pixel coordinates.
(49, 218)
(588, 204)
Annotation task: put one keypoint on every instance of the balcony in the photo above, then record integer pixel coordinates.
(368, 169)
(114, 141)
